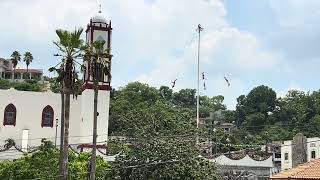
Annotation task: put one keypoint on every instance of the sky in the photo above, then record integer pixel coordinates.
(252, 43)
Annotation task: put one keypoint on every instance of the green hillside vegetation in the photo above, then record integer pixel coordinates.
(28, 85)
(260, 116)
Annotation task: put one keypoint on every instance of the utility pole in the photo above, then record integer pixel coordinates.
(199, 29)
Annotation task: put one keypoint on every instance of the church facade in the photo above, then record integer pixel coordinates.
(27, 117)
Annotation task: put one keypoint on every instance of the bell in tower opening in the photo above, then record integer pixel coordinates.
(99, 29)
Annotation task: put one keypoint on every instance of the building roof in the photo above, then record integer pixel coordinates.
(309, 170)
(29, 71)
(2, 59)
(98, 18)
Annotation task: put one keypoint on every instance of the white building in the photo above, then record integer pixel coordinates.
(27, 117)
(246, 167)
(299, 150)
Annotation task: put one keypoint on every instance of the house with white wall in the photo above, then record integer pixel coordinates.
(298, 151)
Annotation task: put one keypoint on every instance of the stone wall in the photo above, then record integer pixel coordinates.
(299, 150)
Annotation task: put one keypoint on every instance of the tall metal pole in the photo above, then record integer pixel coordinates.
(199, 29)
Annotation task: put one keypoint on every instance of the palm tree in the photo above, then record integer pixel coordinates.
(59, 80)
(99, 60)
(15, 58)
(70, 45)
(27, 59)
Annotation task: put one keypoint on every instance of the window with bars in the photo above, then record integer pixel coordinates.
(47, 117)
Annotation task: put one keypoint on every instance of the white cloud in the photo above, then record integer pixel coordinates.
(151, 41)
(292, 86)
(36, 20)
(295, 12)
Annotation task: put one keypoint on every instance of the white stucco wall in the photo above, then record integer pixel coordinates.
(87, 115)
(246, 161)
(313, 144)
(286, 148)
(29, 107)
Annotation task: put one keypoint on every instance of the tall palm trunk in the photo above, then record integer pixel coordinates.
(28, 75)
(67, 86)
(12, 76)
(66, 136)
(95, 117)
(61, 135)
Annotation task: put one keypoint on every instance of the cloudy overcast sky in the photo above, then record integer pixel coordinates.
(252, 42)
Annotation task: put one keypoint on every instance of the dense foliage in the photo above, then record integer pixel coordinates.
(260, 113)
(260, 116)
(141, 110)
(43, 164)
(165, 158)
(28, 85)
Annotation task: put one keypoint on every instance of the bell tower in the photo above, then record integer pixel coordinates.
(97, 29)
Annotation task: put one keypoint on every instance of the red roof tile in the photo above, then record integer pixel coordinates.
(310, 170)
(29, 70)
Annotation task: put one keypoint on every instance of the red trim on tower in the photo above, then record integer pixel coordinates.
(105, 87)
(88, 84)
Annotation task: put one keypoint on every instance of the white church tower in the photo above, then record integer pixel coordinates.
(97, 29)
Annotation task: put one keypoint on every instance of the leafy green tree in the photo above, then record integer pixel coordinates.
(29, 85)
(277, 133)
(261, 99)
(295, 108)
(163, 159)
(254, 109)
(166, 93)
(214, 103)
(139, 110)
(255, 121)
(185, 98)
(43, 164)
(240, 110)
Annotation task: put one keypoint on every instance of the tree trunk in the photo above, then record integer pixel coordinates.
(61, 135)
(14, 69)
(28, 72)
(66, 136)
(67, 91)
(95, 113)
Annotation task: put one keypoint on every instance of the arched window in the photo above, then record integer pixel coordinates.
(10, 114)
(47, 117)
